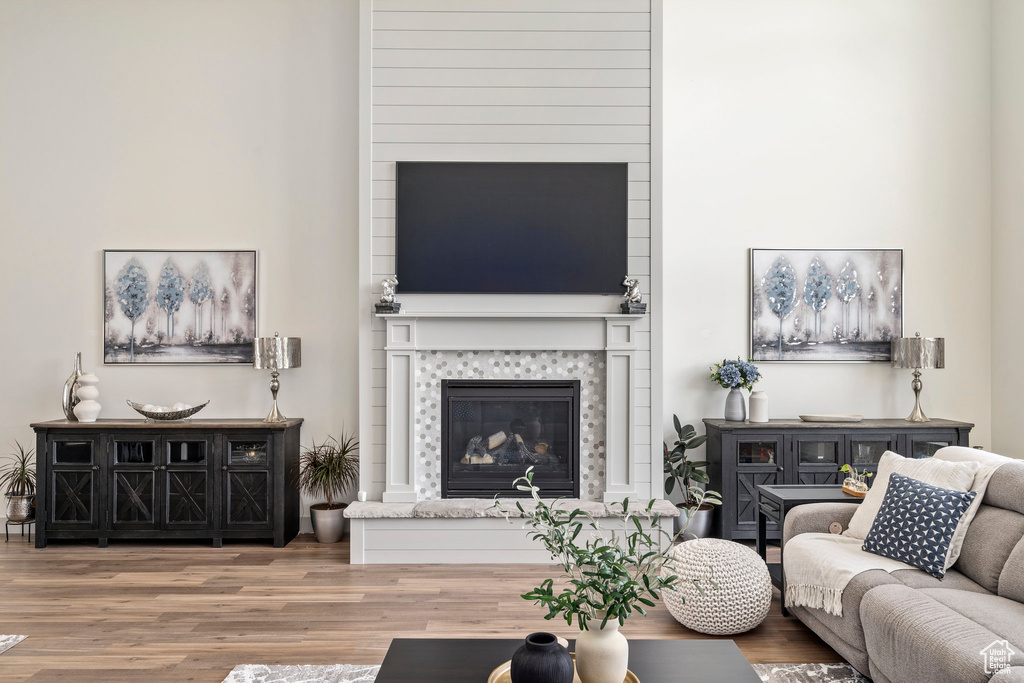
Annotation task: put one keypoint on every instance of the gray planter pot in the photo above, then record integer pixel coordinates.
(328, 524)
(700, 525)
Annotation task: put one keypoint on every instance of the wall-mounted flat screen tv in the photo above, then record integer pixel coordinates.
(521, 228)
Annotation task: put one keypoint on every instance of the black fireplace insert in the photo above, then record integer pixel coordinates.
(493, 430)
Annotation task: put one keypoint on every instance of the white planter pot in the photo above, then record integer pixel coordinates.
(602, 654)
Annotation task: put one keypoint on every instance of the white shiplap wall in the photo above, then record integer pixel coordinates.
(501, 80)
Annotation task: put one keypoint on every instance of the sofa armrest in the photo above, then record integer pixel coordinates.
(816, 518)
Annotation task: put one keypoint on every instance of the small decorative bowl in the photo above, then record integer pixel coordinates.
(167, 415)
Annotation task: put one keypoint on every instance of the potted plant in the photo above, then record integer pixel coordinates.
(18, 480)
(696, 510)
(606, 580)
(326, 470)
(735, 375)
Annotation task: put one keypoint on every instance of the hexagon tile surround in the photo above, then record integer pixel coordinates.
(434, 366)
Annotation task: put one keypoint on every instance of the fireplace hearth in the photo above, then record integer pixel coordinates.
(493, 430)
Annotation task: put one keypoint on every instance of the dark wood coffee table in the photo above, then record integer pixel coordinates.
(471, 660)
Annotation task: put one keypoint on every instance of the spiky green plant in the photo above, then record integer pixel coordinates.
(327, 469)
(18, 476)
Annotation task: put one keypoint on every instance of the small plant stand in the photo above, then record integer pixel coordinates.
(8, 524)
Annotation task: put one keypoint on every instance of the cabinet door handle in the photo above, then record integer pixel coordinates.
(779, 468)
(95, 468)
(156, 468)
(163, 467)
(224, 467)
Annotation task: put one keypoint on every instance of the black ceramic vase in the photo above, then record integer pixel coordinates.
(541, 659)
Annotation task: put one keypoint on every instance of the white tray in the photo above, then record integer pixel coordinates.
(832, 418)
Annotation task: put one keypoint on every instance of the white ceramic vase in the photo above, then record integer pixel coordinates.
(602, 654)
(87, 409)
(758, 406)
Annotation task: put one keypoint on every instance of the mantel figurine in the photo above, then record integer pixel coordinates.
(633, 303)
(387, 303)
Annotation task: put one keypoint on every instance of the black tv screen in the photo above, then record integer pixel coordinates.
(528, 228)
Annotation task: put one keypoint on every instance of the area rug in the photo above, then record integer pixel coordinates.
(356, 673)
(808, 673)
(305, 673)
(7, 642)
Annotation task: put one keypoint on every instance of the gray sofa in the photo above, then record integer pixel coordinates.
(909, 627)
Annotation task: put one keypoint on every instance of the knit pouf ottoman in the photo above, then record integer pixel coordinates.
(744, 588)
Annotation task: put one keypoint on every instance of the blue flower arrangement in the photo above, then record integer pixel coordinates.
(730, 374)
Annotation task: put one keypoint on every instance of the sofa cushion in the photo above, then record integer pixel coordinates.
(1004, 491)
(951, 475)
(1011, 579)
(849, 627)
(1013, 674)
(993, 535)
(1003, 617)
(911, 637)
(916, 523)
(915, 578)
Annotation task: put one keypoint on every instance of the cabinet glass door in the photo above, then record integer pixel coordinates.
(136, 468)
(759, 461)
(925, 445)
(186, 485)
(247, 482)
(73, 486)
(816, 458)
(865, 450)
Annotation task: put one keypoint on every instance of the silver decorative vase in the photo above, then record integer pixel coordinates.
(700, 524)
(21, 508)
(328, 524)
(735, 406)
(69, 399)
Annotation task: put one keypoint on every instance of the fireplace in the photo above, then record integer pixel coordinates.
(493, 430)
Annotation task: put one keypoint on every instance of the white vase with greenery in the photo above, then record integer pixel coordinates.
(611, 576)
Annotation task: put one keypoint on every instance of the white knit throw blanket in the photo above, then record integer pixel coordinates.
(819, 566)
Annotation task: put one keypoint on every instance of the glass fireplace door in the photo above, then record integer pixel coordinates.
(492, 431)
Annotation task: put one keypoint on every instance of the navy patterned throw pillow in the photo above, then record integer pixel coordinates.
(916, 523)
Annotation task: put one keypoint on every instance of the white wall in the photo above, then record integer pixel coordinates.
(183, 125)
(1007, 221)
(852, 123)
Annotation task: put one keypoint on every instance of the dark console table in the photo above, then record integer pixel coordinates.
(743, 455)
(203, 479)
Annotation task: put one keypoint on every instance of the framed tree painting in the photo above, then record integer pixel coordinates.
(825, 304)
(163, 307)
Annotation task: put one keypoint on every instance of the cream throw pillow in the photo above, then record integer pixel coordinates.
(958, 476)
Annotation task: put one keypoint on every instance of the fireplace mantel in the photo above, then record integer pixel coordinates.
(409, 333)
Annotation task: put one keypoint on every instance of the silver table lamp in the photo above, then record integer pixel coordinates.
(918, 353)
(274, 354)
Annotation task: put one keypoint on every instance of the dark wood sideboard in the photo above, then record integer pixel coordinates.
(743, 455)
(139, 479)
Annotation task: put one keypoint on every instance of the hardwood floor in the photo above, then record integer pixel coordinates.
(189, 612)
